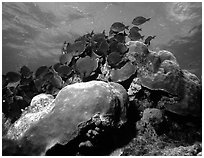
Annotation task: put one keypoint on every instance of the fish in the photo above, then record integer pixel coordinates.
(13, 77)
(111, 33)
(57, 81)
(135, 36)
(101, 48)
(140, 20)
(99, 36)
(118, 27)
(56, 66)
(25, 81)
(114, 58)
(135, 29)
(48, 76)
(120, 37)
(148, 39)
(122, 48)
(85, 37)
(85, 66)
(65, 58)
(118, 47)
(38, 84)
(78, 48)
(41, 71)
(25, 72)
(64, 70)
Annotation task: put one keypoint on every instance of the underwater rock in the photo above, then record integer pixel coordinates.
(60, 121)
(154, 117)
(192, 150)
(39, 107)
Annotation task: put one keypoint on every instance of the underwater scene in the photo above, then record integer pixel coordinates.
(101, 78)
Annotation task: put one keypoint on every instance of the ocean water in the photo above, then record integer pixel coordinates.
(33, 33)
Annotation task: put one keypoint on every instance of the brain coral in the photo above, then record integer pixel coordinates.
(74, 105)
(160, 71)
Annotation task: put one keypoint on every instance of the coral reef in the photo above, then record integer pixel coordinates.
(107, 95)
(62, 119)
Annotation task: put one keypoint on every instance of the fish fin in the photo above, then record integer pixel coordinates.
(92, 32)
(142, 37)
(127, 27)
(140, 29)
(154, 36)
(148, 19)
(104, 32)
(125, 34)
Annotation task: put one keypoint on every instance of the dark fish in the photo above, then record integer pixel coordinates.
(114, 58)
(114, 46)
(87, 37)
(111, 40)
(99, 36)
(13, 77)
(41, 71)
(64, 70)
(118, 47)
(85, 66)
(135, 36)
(135, 29)
(148, 39)
(111, 33)
(118, 27)
(25, 72)
(25, 81)
(65, 58)
(78, 47)
(122, 48)
(140, 20)
(56, 66)
(101, 48)
(57, 81)
(48, 76)
(38, 84)
(120, 37)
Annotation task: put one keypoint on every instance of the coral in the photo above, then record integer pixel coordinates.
(62, 119)
(166, 76)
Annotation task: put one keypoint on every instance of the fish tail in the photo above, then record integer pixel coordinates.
(125, 34)
(154, 36)
(127, 27)
(148, 19)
